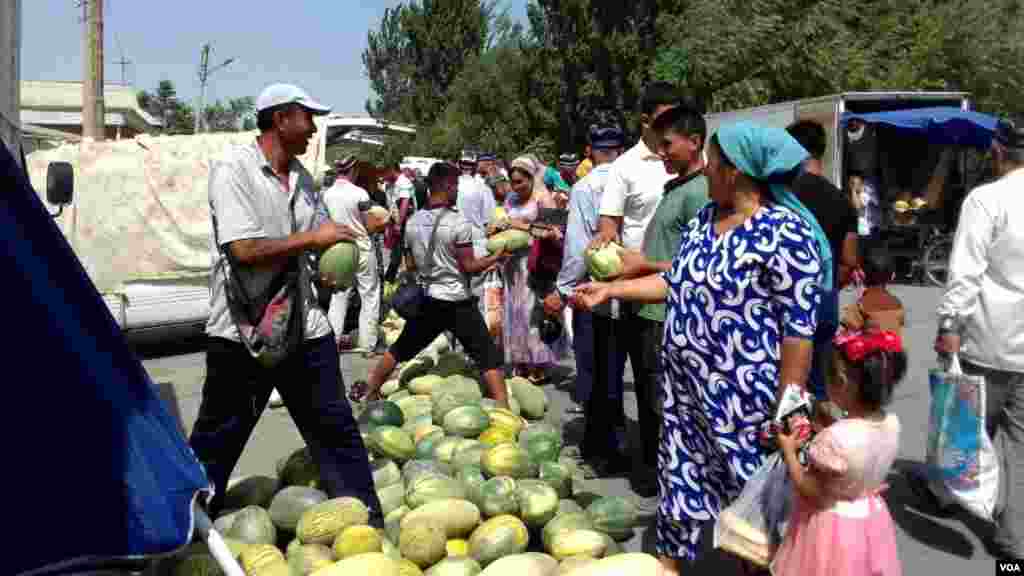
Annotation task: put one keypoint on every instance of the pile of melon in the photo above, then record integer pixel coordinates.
(465, 488)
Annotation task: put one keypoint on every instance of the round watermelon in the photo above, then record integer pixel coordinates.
(382, 413)
(338, 264)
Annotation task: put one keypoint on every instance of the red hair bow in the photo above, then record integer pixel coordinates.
(858, 345)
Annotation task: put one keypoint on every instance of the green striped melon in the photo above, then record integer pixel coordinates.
(444, 451)
(565, 522)
(507, 460)
(505, 418)
(424, 384)
(251, 491)
(416, 367)
(496, 435)
(426, 431)
(385, 473)
(409, 568)
(567, 566)
(398, 395)
(566, 506)
(538, 429)
(418, 422)
(569, 543)
(382, 413)
(458, 517)
(543, 448)
(428, 444)
(455, 566)
(538, 502)
(390, 387)
(526, 564)
(413, 407)
(472, 477)
(258, 558)
(253, 525)
(390, 549)
(299, 469)
(422, 542)
(391, 442)
(632, 563)
(338, 264)
(469, 453)
(393, 522)
(497, 497)
(356, 540)
(375, 563)
(431, 487)
(466, 421)
(558, 476)
(613, 515)
(532, 399)
(508, 241)
(450, 364)
(391, 497)
(288, 505)
(322, 523)
(447, 401)
(413, 469)
(498, 537)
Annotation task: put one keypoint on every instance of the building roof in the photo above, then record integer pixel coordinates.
(45, 96)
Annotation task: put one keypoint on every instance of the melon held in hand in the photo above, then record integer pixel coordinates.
(338, 265)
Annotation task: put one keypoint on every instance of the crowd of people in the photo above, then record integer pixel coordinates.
(734, 250)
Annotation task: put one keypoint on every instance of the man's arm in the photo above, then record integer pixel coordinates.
(472, 265)
(573, 269)
(613, 206)
(848, 260)
(968, 262)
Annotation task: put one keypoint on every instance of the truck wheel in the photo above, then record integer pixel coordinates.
(936, 261)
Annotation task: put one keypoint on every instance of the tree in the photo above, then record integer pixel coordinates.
(418, 52)
(234, 115)
(163, 104)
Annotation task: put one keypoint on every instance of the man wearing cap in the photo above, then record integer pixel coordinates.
(599, 435)
(267, 217)
(346, 204)
(567, 164)
(981, 319)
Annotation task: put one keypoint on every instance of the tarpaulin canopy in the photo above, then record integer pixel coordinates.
(941, 125)
(96, 467)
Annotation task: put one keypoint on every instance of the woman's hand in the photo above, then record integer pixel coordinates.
(590, 295)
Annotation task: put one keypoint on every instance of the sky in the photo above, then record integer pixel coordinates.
(317, 44)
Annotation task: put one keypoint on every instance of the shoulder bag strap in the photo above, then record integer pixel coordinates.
(428, 266)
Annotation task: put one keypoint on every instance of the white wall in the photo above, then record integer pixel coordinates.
(10, 60)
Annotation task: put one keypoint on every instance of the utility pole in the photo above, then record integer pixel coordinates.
(123, 63)
(204, 75)
(93, 109)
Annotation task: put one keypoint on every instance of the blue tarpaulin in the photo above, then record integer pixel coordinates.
(949, 126)
(95, 467)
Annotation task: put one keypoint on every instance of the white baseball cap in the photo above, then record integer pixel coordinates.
(278, 94)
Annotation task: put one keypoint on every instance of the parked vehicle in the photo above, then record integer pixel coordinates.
(140, 218)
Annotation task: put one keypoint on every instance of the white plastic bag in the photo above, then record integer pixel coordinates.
(753, 525)
(962, 463)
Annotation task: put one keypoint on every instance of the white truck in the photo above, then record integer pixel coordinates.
(140, 222)
(828, 111)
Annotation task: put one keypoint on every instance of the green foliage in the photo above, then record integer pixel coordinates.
(470, 78)
(179, 118)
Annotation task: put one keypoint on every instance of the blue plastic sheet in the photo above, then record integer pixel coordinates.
(940, 125)
(95, 466)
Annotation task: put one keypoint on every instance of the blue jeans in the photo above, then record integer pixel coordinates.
(237, 390)
(583, 347)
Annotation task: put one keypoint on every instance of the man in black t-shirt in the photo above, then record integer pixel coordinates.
(838, 220)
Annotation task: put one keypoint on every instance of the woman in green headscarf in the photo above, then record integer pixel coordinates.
(742, 297)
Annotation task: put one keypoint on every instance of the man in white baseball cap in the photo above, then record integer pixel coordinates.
(268, 218)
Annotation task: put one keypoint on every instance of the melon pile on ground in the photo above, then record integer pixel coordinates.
(466, 488)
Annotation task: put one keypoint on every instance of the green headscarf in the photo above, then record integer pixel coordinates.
(766, 154)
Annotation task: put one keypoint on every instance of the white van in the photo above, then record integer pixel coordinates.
(140, 223)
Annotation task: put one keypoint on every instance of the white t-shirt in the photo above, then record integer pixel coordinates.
(342, 200)
(635, 185)
(402, 188)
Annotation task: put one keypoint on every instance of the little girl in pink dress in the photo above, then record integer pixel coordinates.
(840, 525)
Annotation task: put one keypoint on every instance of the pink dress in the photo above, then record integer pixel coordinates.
(852, 534)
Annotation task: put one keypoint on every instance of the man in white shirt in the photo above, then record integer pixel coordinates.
(267, 216)
(636, 183)
(981, 318)
(346, 204)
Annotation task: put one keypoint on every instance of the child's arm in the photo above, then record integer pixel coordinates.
(807, 484)
(823, 460)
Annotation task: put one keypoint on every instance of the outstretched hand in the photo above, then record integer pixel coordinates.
(589, 296)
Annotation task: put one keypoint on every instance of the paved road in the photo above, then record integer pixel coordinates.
(927, 544)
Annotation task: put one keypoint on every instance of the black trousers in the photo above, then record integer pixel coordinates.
(237, 390)
(463, 319)
(629, 336)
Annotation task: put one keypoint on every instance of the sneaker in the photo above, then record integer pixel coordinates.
(275, 399)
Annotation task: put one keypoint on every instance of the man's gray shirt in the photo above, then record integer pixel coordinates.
(250, 202)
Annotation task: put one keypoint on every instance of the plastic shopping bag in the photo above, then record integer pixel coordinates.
(962, 463)
(753, 525)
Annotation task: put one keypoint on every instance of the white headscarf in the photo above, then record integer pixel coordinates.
(532, 165)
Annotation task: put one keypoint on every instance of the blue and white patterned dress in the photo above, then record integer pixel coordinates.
(732, 299)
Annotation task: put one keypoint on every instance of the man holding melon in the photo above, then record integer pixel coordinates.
(450, 306)
(267, 219)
